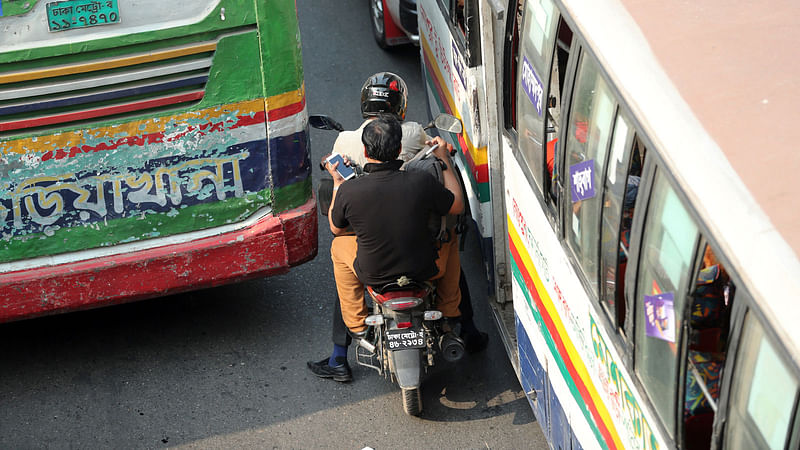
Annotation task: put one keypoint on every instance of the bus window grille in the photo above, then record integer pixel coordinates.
(104, 88)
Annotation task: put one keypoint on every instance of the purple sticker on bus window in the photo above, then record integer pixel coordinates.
(582, 180)
(659, 316)
(532, 85)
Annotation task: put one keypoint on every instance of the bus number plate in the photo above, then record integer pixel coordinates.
(407, 338)
(72, 14)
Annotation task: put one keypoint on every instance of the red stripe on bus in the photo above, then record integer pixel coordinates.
(286, 111)
(156, 138)
(481, 173)
(551, 329)
(99, 112)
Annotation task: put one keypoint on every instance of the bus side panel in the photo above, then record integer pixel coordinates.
(597, 395)
(532, 375)
(452, 89)
(128, 182)
(540, 391)
(560, 431)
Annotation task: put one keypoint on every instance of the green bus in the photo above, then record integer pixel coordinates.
(148, 148)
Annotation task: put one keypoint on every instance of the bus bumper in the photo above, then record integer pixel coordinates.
(271, 246)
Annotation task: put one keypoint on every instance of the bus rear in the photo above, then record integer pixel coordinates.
(148, 148)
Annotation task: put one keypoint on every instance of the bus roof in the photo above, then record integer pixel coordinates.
(715, 85)
(737, 65)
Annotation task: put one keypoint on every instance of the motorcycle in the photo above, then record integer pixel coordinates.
(404, 332)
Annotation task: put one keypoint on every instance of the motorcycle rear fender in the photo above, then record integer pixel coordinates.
(407, 365)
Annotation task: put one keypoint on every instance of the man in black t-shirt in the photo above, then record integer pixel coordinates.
(388, 210)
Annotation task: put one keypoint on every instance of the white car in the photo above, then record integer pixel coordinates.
(394, 22)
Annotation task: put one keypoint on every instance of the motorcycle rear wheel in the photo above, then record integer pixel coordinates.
(412, 401)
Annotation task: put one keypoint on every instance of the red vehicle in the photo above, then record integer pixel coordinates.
(394, 22)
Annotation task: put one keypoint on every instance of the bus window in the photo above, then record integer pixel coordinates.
(459, 15)
(558, 73)
(591, 118)
(709, 327)
(664, 275)
(510, 64)
(614, 252)
(537, 40)
(465, 25)
(759, 415)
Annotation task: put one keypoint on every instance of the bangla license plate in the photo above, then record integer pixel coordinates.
(406, 338)
(72, 14)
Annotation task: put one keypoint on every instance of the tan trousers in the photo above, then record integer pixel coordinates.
(351, 290)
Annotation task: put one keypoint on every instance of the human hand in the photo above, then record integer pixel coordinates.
(331, 168)
(443, 150)
(337, 164)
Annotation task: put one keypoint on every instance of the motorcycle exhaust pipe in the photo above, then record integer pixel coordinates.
(452, 347)
(369, 347)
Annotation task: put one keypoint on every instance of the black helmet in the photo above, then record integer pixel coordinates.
(384, 92)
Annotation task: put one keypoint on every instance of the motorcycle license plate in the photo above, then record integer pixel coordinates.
(407, 338)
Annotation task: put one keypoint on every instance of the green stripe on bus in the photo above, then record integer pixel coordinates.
(292, 196)
(573, 388)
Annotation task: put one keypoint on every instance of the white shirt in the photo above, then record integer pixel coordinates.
(349, 142)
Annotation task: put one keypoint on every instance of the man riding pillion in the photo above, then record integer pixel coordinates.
(389, 210)
(383, 93)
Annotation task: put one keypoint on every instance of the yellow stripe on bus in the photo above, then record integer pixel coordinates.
(572, 353)
(285, 99)
(110, 63)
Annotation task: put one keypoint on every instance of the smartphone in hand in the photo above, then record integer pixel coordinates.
(344, 170)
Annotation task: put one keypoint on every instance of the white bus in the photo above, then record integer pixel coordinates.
(631, 169)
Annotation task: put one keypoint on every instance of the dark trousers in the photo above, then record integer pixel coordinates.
(340, 336)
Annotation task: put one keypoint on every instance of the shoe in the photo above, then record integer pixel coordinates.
(475, 342)
(339, 373)
(452, 324)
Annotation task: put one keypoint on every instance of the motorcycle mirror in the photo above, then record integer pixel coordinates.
(324, 122)
(446, 122)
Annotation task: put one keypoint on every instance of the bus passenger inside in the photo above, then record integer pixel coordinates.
(709, 327)
(559, 67)
(628, 205)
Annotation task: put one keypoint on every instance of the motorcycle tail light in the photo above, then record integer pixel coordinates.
(373, 320)
(402, 298)
(433, 315)
(403, 324)
(401, 303)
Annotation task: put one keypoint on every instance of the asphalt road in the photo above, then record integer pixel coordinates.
(226, 367)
